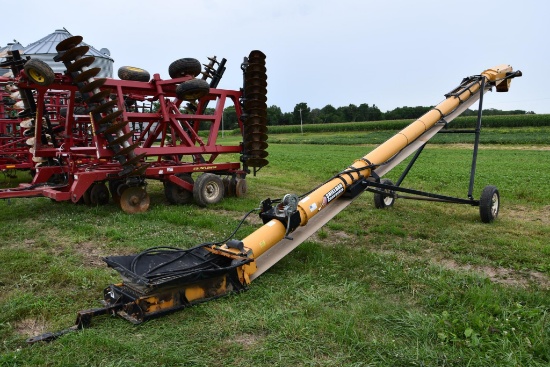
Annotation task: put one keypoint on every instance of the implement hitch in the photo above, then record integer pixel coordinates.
(83, 320)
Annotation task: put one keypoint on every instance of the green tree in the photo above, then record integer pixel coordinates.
(274, 115)
(363, 112)
(375, 114)
(329, 114)
(230, 121)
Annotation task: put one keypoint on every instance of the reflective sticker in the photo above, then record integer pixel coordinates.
(270, 224)
(304, 199)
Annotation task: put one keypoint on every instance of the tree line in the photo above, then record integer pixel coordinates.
(303, 114)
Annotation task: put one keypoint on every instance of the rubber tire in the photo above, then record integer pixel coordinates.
(192, 90)
(99, 194)
(208, 189)
(133, 73)
(113, 189)
(176, 194)
(382, 201)
(489, 204)
(39, 72)
(185, 66)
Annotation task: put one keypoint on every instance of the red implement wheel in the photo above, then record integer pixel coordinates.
(113, 188)
(133, 73)
(185, 66)
(229, 186)
(208, 189)
(99, 194)
(39, 72)
(176, 194)
(192, 89)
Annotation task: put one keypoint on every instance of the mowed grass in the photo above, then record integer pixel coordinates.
(419, 284)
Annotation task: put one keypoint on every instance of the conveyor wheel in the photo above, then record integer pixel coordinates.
(134, 200)
(208, 189)
(176, 194)
(385, 198)
(489, 204)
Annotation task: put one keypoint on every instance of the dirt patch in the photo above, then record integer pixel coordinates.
(91, 253)
(502, 275)
(524, 214)
(330, 238)
(248, 340)
(30, 327)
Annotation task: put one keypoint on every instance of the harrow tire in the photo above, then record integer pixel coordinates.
(208, 189)
(382, 200)
(192, 89)
(99, 194)
(133, 73)
(176, 194)
(39, 72)
(185, 66)
(489, 204)
(113, 188)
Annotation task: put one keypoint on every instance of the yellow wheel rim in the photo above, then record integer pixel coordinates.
(36, 76)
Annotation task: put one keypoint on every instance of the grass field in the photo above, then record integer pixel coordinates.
(419, 284)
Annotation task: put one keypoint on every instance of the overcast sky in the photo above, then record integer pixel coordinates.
(388, 53)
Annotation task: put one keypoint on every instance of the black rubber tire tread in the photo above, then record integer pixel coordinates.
(113, 189)
(39, 72)
(487, 211)
(379, 199)
(133, 73)
(192, 89)
(176, 194)
(185, 66)
(208, 189)
(99, 194)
